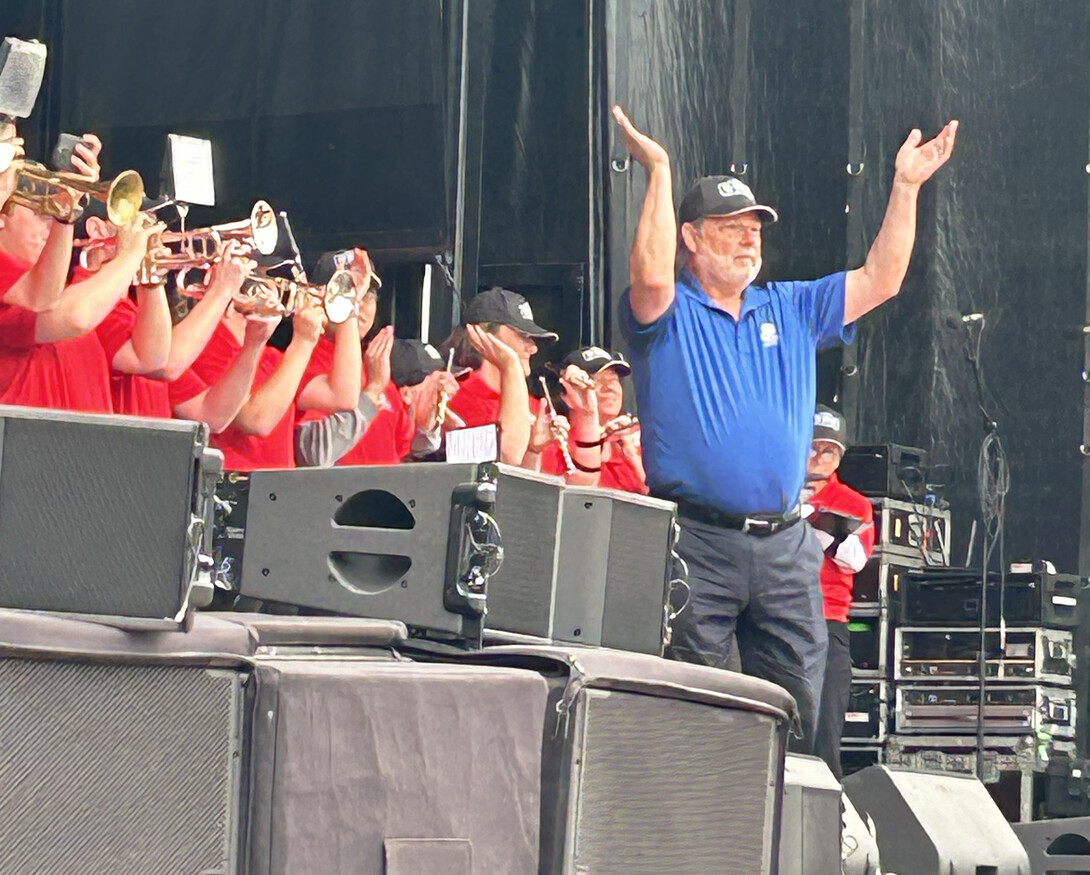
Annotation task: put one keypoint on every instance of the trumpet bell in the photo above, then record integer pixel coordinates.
(340, 297)
(124, 198)
(263, 228)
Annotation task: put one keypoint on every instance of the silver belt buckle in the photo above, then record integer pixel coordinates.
(752, 525)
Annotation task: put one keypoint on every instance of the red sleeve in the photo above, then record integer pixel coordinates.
(116, 329)
(18, 327)
(475, 404)
(11, 270)
(217, 357)
(187, 386)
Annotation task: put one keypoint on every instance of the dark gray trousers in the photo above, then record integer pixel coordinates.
(836, 693)
(763, 594)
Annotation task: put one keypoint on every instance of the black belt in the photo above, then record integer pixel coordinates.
(760, 524)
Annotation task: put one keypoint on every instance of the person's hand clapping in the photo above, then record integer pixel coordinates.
(377, 359)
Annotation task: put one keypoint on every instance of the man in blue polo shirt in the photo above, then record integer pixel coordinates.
(726, 384)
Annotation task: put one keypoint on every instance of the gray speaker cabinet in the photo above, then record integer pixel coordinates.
(96, 512)
(930, 823)
(810, 829)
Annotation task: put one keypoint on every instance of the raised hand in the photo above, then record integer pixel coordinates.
(258, 330)
(307, 324)
(377, 359)
(492, 348)
(645, 150)
(228, 273)
(133, 239)
(85, 156)
(579, 391)
(917, 162)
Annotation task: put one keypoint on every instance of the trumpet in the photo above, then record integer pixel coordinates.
(197, 250)
(276, 297)
(63, 195)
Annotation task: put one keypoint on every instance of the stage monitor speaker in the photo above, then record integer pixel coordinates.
(810, 828)
(1056, 847)
(392, 767)
(613, 569)
(654, 766)
(929, 823)
(370, 541)
(101, 514)
(120, 769)
(859, 850)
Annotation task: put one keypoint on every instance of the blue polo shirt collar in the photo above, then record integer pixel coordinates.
(754, 298)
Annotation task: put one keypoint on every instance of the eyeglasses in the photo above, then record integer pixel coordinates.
(830, 451)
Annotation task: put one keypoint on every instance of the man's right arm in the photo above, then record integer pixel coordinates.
(654, 249)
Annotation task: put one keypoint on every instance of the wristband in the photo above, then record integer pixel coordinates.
(585, 468)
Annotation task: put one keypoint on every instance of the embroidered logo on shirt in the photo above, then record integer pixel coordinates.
(769, 335)
(730, 187)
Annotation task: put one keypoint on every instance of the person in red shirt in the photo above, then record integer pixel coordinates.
(261, 435)
(617, 435)
(496, 341)
(65, 367)
(150, 360)
(844, 523)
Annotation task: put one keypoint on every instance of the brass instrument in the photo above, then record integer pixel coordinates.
(200, 248)
(62, 195)
(276, 297)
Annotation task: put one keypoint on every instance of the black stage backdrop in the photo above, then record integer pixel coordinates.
(350, 115)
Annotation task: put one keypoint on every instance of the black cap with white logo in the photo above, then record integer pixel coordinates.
(504, 307)
(593, 359)
(721, 196)
(830, 426)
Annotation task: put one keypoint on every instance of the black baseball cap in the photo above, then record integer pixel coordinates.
(593, 359)
(412, 360)
(830, 426)
(721, 196)
(504, 307)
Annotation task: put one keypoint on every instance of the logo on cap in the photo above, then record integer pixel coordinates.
(432, 352)
(591, 353)
(827, 420)
(730, 187)
(525, 312)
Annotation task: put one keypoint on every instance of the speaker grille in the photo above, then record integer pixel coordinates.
(110, 770)
(673, 786)
(639, 550)
(93, 517)
(520, 596)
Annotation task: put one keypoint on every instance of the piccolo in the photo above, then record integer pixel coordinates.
(444, 397)
(563, 444)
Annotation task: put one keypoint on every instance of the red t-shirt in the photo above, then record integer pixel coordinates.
(134, 394)
(321, 360)
(837, 584)
(241, 451)
(618, 471)
(388, 439)
(70, 375)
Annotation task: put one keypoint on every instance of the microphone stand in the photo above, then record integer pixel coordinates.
(993, 481)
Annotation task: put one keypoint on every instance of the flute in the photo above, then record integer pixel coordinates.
(563, 444)
(444, 397)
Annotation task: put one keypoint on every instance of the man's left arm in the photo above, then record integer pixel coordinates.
(880, 277)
